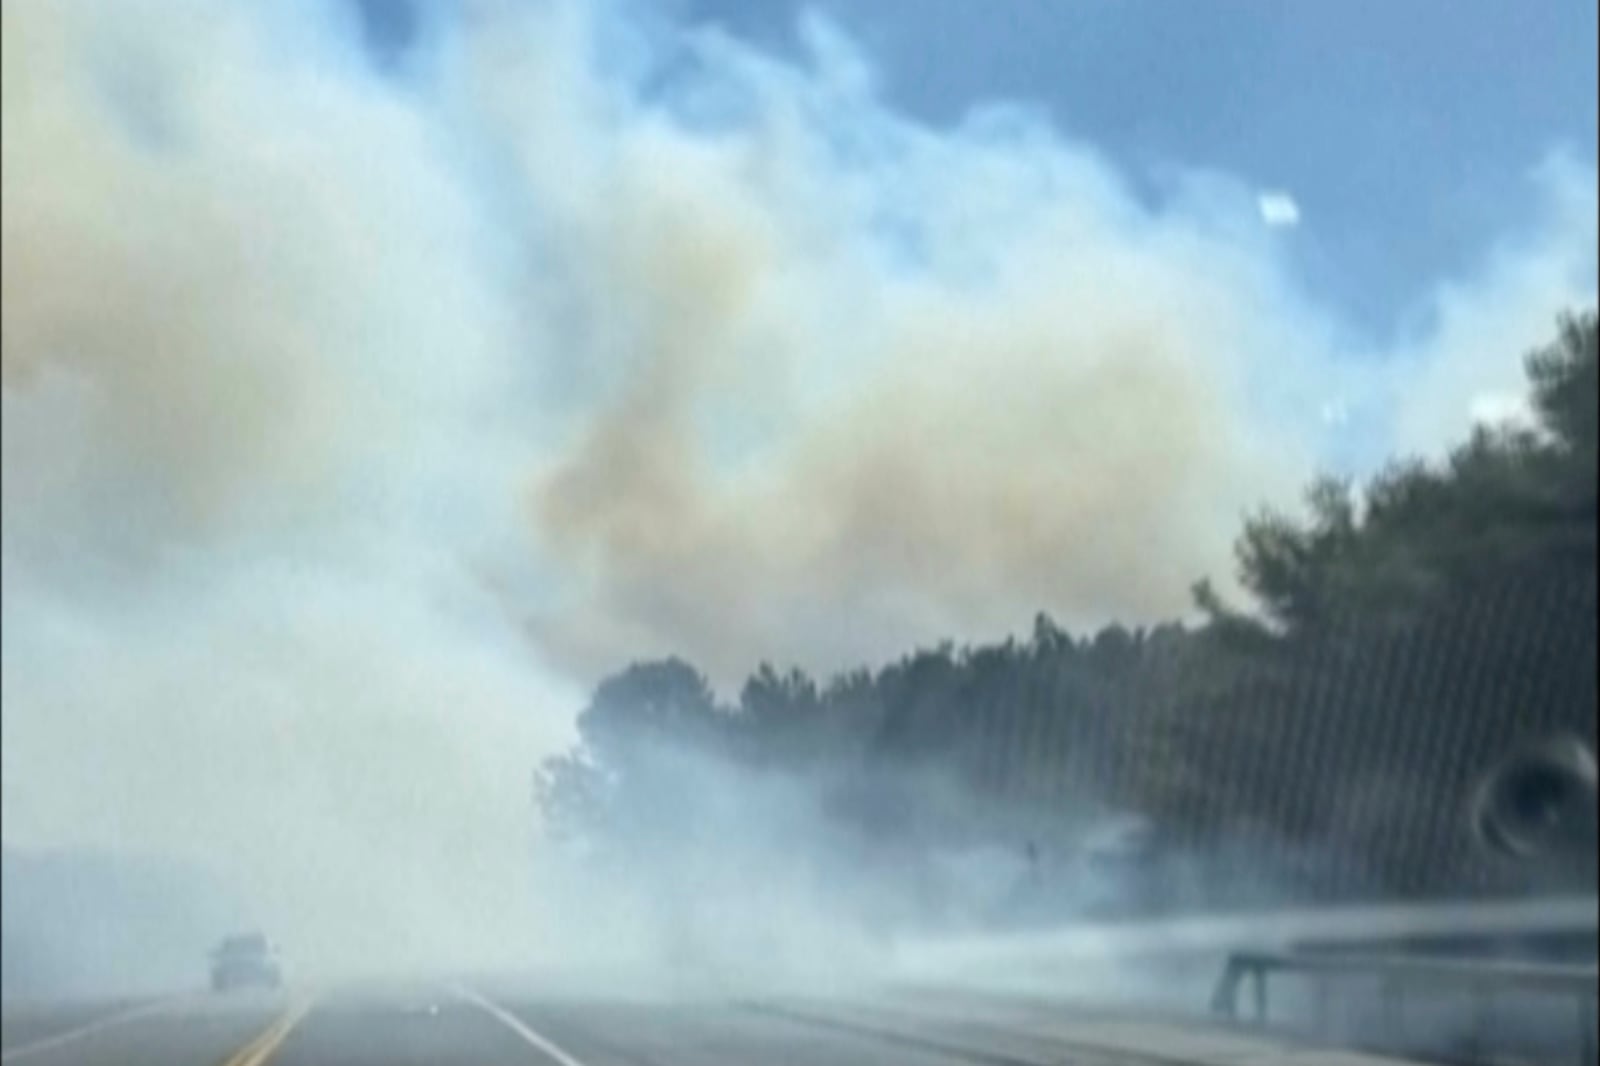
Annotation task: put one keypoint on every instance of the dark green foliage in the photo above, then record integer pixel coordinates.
(1403, 636)
(647, 705)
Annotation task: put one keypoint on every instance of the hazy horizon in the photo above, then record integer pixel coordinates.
(372, 389)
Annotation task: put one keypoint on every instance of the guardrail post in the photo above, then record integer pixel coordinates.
(1225, 997)
(1390, 991)
(1483, 1000)
(1480, 980)
(1588, 1052)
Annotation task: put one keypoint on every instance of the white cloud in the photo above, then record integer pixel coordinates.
(1278, 209)
(1501, 409)
(1478, 329)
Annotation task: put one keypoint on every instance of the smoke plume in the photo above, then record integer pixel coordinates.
(356, 419)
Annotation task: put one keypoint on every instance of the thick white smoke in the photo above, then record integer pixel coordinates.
(353, 424)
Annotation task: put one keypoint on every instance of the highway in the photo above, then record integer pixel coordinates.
(503, 1024)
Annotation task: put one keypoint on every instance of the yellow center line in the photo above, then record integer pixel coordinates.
(259, 1050)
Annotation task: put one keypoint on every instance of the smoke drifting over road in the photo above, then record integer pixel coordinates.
(356, 420)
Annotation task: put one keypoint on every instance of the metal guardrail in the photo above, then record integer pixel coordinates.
(1482, 980)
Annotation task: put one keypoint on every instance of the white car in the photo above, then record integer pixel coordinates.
(246, 961)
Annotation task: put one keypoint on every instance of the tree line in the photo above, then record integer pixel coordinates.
(1317, 741)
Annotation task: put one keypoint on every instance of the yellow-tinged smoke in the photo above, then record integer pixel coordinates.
(322, 391)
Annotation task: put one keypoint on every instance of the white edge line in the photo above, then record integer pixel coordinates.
(106, 1022)
(516, 1025)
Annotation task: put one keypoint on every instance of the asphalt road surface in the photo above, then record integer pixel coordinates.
(501, 1025)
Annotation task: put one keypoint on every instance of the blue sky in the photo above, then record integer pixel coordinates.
(1406, 132)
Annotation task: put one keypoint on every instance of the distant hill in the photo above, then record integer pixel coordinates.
(86, 924)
